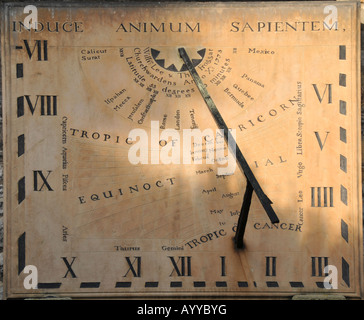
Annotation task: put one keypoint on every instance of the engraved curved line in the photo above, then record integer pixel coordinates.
(161, 62)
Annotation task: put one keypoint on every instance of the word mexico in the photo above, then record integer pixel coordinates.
(169, 152)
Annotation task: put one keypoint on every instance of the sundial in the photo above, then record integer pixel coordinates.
(182, 149)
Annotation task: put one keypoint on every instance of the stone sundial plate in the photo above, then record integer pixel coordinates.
(103, 198)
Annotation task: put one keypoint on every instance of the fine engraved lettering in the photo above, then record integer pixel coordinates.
(172, 248)
(92, 54)
(205, 238)
(283, 26)
(132, 189)
(49, 26)
(159, 27)
(122, 248)
(269, 114)
(300, 123)
(281, 226)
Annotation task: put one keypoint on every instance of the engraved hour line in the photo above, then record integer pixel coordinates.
(21, 190)
(344, 231)
(90, 285)
(342, 52)
(21, 253)
(345, 271)
(19, 70)
(21, 145)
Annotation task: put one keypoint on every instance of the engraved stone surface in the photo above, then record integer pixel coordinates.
(92, 201)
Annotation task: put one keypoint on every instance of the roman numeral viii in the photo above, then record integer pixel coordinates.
(47, 103)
